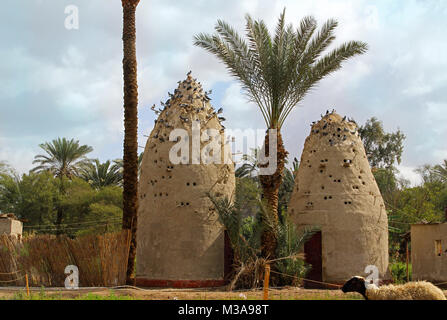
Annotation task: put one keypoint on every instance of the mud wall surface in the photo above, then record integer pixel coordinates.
(335, 190)
(179, 235)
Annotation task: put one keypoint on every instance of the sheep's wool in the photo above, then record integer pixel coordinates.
(336, 191)
(179, 234)
(419, 290)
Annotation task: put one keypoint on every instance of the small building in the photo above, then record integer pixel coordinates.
(429, 252)
(10, 225)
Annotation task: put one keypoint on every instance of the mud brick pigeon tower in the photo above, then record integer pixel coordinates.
(336, 192)
(180, 241)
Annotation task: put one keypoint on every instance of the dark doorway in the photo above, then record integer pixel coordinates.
(228, 257)
(313, 251)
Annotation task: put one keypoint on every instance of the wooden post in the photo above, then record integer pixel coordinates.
(266, 281)
(27, 284)
(408, 274)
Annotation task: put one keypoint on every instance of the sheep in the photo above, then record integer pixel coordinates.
(419, 290)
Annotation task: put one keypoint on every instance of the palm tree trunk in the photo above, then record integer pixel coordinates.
(130, 157)
(60, 210)
(270, 188)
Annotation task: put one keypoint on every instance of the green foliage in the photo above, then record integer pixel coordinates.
(37, 196)
(399, 271)
(245, 237)
(63, 157)
(290, 244)
(382, 149)
(285, 191)
(247, 195)
(31, 197)
(100, 175)
(276, 71)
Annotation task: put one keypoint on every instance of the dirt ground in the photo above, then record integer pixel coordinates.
(287, 293)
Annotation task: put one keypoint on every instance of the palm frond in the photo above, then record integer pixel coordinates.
(277, 72)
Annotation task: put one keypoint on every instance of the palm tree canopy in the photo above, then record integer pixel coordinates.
(440, 170)
(102, 174)
(276, 72)
(63, 157)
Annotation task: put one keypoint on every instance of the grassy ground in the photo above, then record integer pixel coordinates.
(290, 293)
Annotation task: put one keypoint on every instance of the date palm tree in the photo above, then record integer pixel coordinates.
(64, 158)
(276, 73)
(130, 153)
(100, 175)
(440, 171)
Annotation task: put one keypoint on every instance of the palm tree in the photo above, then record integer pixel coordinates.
(64, 158)
(130, 153)
(101, 175)
(440, 170)
(276, 73)
(250, 165)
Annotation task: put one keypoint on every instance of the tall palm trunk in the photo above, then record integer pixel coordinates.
(60, 210)
(270, 188)
(130, 157)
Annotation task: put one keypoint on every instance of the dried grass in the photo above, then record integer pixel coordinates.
(101, 259)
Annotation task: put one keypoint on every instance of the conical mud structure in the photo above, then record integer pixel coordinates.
(336, 191)
(180, 241)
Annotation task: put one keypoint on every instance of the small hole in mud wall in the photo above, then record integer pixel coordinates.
(348, 202)
(322, 187)
(187, 183)
(194, 183)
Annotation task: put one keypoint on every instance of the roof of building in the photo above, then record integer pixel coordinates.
(8, 216)
(425, 222)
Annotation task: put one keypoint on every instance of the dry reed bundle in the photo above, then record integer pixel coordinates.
(101, 260)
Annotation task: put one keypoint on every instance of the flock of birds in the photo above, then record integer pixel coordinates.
(339, 134)
(191, 91)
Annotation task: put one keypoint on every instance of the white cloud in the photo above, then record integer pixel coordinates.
(410, 174)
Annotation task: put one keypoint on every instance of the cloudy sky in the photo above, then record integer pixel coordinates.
(56, 82)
